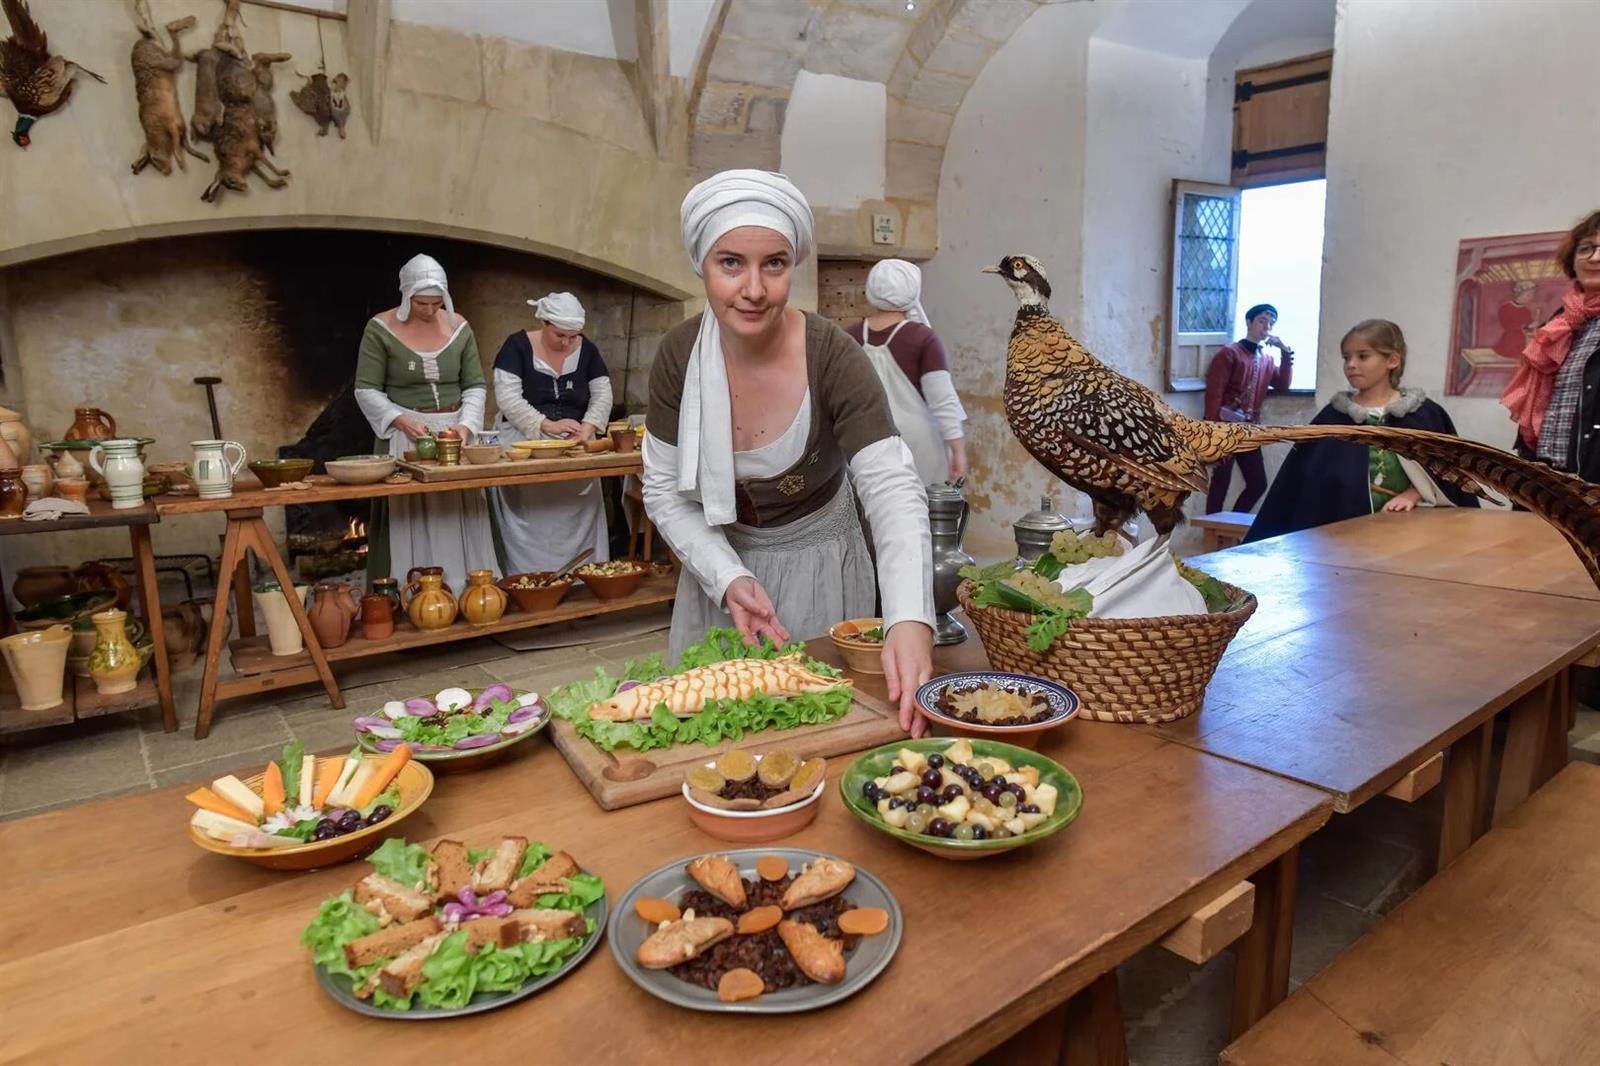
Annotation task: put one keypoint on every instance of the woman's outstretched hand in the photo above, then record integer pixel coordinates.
(752, 612)
(907, 664)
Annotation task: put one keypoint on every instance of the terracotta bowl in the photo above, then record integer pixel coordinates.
(614, 588)
(416, 784)
(625, 440)
(540, 599)
(479, 454)
(1063, 703)
(754, 827)
(360, 469)
(274, 472)
(858, 656)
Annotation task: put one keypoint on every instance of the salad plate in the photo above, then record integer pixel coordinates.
(456, 729)
(869, 957)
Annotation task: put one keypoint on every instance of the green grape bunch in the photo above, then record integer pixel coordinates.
(1072, 547)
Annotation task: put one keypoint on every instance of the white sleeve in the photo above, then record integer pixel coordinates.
(523, 416)
(379, 410)
(598, 413)
(703, 549)
(939, 392)
(472, 404)
(896, 506)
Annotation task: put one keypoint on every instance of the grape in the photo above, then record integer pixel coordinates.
(979, 833)
(1008, 800)
(932, 778)
(870, 790)
(325, 830)
(939, 827)
(379, 813)
(1019, 792)
(983, 805)
(926, 795)
(963, 831)
(951, 791)
(917, 822)
(896, 769)
(1029, 808)
(1072, 547)
(991, 792)
(1000, 780)
(895, 803)
(1002, 833)
(350, 822)
(935, 760)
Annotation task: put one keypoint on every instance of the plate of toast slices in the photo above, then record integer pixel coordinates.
(758, 931)
(451, 930)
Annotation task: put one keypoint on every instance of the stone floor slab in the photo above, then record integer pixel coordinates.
(100, 757)
(240, 763)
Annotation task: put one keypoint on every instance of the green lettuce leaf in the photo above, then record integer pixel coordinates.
(294, 754)
(537, 855)
(301, 830)
(399, 861)
(389, 797)
(585, 889)
(339, 921)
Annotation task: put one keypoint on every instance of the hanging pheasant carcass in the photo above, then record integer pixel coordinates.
(1117, 442)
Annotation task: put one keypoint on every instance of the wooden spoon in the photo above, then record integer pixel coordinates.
(571, 565)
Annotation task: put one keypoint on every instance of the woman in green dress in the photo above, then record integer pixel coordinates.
(418, 373)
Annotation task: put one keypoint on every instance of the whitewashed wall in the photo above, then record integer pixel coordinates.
(833, 139)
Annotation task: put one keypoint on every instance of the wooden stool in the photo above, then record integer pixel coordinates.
(1223, 529)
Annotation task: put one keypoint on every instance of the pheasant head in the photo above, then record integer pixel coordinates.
(1025, 276)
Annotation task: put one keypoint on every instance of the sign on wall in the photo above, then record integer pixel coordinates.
(1506, 287)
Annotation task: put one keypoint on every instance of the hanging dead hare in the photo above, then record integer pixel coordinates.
(326, 100)
(155, 81)
(233, 105)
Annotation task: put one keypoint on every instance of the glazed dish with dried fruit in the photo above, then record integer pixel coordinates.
(451, 930)
(1017, 708)
(756, 931)
(749, 799)
(961, 799)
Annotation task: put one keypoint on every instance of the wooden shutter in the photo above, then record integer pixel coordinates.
(1280, 121)
(842, 288)
(1204, 279)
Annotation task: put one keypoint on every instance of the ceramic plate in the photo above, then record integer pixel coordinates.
(339, 986)
(867, 961)
(1061, 700)
(545, 445)
(450, 760)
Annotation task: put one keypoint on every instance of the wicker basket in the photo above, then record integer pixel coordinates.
(1124, 669)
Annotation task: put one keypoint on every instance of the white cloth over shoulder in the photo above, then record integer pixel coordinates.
(911, 414)
(896, 285)
(560, 309)
(726, 201)
(423, 276)
(1142, 583)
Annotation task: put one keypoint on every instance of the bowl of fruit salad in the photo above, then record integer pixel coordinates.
(961, 798)
(750, 799)
(612, 580)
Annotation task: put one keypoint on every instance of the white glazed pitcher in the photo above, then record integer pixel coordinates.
(121, 468)
(213, 474)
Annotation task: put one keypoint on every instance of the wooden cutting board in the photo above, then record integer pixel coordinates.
(624, 777)
(430, 472)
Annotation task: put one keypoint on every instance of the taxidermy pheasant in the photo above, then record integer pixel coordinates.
(1118, 442)
(37, 82)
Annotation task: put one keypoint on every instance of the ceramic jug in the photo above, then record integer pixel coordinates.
(432, 607)
(283, 632)
(90, 423)
(413, 585)
(333, 613)
(13, 494)
(114, 663)
(482, 602)
(389, 588)
(212, 471)
(377, 616)
(65, 463)
(37, 660)
(117, 461)
(14, 431)
(39, 479)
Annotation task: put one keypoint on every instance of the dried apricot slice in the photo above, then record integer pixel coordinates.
(864, 921)
(778, 768)
(759, 920)
(805, 779)
(772, 867)
(737, 765)
(705, 777)
(739, 984)
(656, 910)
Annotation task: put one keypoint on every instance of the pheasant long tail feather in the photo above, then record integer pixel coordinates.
(1569, 503)
(25, 32)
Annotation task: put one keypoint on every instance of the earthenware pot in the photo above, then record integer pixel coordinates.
(212, 471)
(75, 489)
(118, 462)
(95, 577)
(13, 494)
(433, 607)
(39, 479)
(413, 585)
(377, 616)
(8, 457)
(114, 663)
(283, 632)
(37, 660)
(390, 588)
(90, 423)
(35, 584)
(482, 602)
(333, 613)
(14, 431)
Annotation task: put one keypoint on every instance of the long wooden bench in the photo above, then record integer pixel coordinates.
(1491, 962)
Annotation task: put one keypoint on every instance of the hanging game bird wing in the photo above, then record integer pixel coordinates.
(22, 53)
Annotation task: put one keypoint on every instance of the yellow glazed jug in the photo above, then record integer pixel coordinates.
(114, 662)
(483, 602)
(432, 607)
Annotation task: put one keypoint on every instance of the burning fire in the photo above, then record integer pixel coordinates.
(357, 530)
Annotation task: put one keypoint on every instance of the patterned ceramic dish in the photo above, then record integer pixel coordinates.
(484, 748)
(1061, 701)
(754, 827)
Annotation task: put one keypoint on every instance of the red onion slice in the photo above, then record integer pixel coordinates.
(522, 714)
(386, 745)
(486, 699)
(481, 740)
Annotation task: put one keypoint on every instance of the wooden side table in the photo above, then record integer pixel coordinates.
(1223, 529)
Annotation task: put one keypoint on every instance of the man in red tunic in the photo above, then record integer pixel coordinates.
(1236, 382)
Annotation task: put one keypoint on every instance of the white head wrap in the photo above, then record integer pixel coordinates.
(423, 276)
(721, 203)
(896, 285)
(559, 309)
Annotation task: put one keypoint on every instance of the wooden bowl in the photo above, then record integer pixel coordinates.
(274, 472)
(539, 599)
(480, 454)
(754, 827)
(416, 784)
(859, 656)
(616, 587)
(1062, 700)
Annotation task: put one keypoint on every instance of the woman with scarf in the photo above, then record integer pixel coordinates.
(911, 364)
(757, 410)
(1555, 394)
(551, 383)
(418, 373)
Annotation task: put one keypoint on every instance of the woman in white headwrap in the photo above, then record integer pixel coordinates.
(551, 382)
(911, 363)
(756, 412)
(418, 373)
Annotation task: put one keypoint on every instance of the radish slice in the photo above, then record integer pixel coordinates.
(386, 732)
(369, 723)
(421, 707)
(522, 714)
(527, 699)
(395, 709)
(513, 729)
(482, 740)
(486, 699)
(386, 745)
(453, 699)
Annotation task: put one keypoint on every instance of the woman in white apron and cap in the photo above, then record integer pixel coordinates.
(910, 361)
(757, 410)
(418, 372)
(551, 383)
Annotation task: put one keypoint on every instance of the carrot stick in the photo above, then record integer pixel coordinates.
(271, 790)
(386, 773)
(327, 777)
(208, 800)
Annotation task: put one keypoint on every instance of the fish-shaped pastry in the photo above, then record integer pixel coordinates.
(688, 693)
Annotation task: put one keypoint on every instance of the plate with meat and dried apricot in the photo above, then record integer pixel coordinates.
(757, 931)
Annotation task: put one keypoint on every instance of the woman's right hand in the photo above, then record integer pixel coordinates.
(752, 612)
(564, 427)
(411, 427)
(958, 458)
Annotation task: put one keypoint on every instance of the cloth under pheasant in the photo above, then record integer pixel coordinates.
(1118, 442)
(36, 82)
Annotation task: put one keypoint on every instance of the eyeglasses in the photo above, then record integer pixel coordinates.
(1586, 250)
